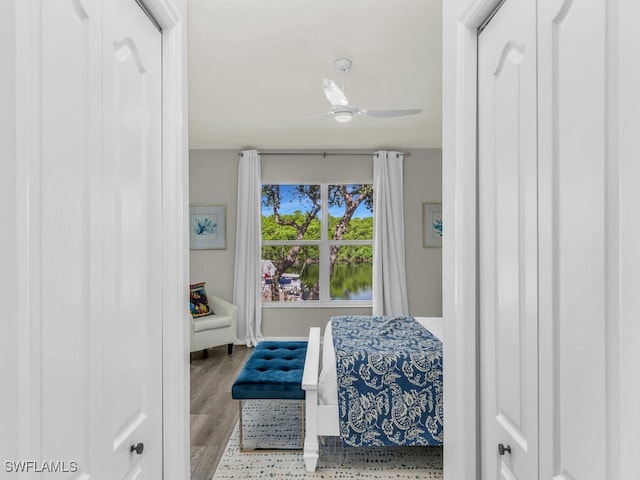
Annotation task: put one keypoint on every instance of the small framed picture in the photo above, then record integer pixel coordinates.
(207, 227)
(431, 225)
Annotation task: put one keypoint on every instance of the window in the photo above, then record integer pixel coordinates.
(317, 243)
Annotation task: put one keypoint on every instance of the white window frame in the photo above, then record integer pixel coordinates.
(323, 243)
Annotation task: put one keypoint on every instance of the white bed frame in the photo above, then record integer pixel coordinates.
(321, 420)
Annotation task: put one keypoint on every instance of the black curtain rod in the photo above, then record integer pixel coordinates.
(322, 154)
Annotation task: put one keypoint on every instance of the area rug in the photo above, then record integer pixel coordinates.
(276, 424)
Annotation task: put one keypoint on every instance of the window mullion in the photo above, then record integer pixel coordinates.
(324, 245)
(290, 242)
(350, 242)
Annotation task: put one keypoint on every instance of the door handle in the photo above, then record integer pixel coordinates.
(139, 448)
(502, 449)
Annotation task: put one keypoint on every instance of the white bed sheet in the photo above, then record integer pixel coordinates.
(328, 380)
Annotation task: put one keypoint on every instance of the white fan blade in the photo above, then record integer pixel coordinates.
(389, 113)
(311, 116)
(333, 93)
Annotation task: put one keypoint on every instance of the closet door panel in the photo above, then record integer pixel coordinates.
(628, 222)
(507, 168)
(62, 238)
(132, 113)
(573, 239)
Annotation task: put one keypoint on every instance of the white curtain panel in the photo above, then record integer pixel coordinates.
(389, 272)
(246, 282)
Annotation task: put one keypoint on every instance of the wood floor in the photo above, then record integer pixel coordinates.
(213, 412)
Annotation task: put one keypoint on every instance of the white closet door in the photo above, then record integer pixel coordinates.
(132, 216)
(507, 172)
(575, 296)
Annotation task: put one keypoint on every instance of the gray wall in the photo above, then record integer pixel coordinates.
(213, 181)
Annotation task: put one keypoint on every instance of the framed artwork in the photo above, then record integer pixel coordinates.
(207, 227)
(431, 225)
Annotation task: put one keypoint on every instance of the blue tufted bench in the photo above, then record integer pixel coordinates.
(273, 372)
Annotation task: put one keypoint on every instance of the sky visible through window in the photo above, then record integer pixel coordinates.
(289, 205)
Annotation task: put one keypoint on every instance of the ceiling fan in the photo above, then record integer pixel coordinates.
(341, 110)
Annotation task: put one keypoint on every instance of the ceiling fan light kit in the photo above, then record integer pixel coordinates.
(343, 117)
(341, 110)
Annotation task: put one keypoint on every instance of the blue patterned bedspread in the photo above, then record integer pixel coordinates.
(389, 381)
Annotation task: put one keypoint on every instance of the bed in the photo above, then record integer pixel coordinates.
(320, 383)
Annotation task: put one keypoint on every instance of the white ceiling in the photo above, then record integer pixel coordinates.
(256, 64)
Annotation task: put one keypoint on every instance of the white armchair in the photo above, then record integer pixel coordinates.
(214, 330)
